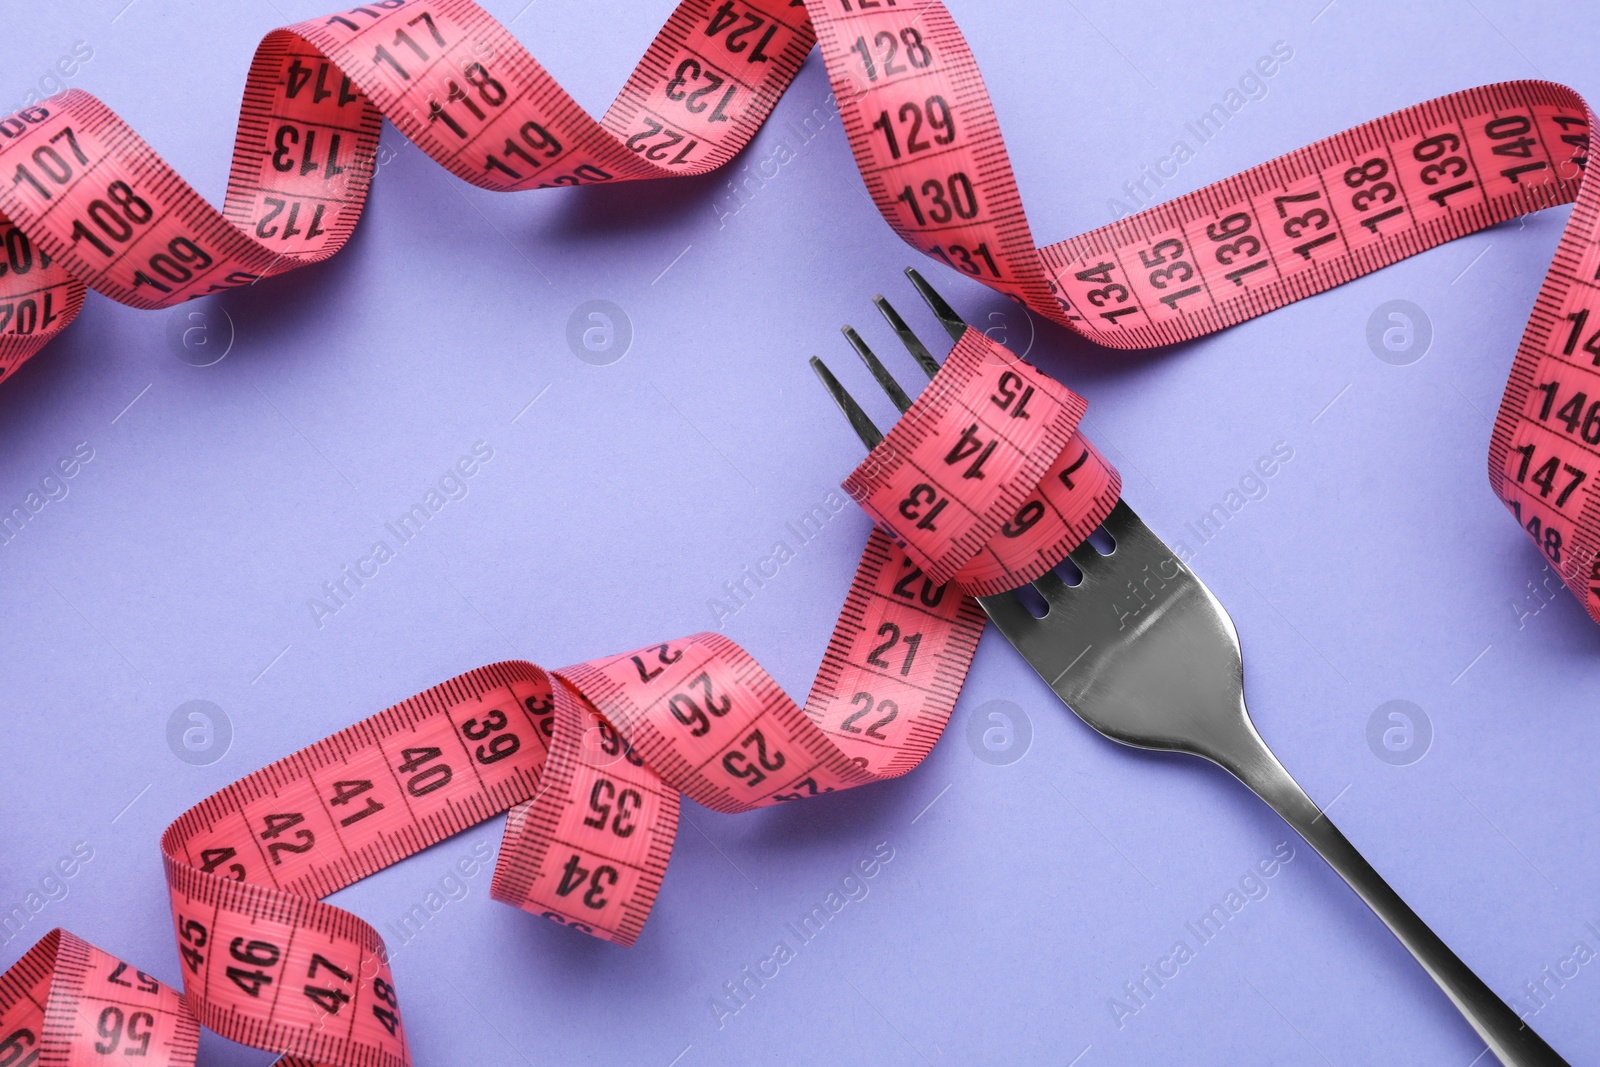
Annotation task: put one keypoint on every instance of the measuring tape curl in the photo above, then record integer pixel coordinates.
(85, 201)
(66, 999)
(591, 760)
(89, 203)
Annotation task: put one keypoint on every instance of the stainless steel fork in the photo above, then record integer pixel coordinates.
(1171, 678)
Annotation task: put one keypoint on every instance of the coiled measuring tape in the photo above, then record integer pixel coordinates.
(590, 760)
(984, 484)
(84, 201)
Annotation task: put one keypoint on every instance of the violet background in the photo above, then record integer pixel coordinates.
(1378, 567)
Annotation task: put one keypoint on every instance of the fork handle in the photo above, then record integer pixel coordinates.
(1512, 1040)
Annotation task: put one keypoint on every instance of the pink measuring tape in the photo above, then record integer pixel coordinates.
(986, 482)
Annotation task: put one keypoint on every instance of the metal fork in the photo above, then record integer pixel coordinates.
(1172, 679)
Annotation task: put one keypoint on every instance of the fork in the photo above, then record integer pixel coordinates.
(1174, 681)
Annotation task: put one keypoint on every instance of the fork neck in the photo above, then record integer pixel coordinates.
(1512, 1041)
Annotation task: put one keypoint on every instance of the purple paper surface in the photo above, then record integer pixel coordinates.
(1027, 903)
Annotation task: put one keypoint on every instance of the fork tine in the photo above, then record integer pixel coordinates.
(865, 429)
(859, 421)
(1052, 587)
(896, 394)
(1087, 559)
(953, 324)
(913, 343)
